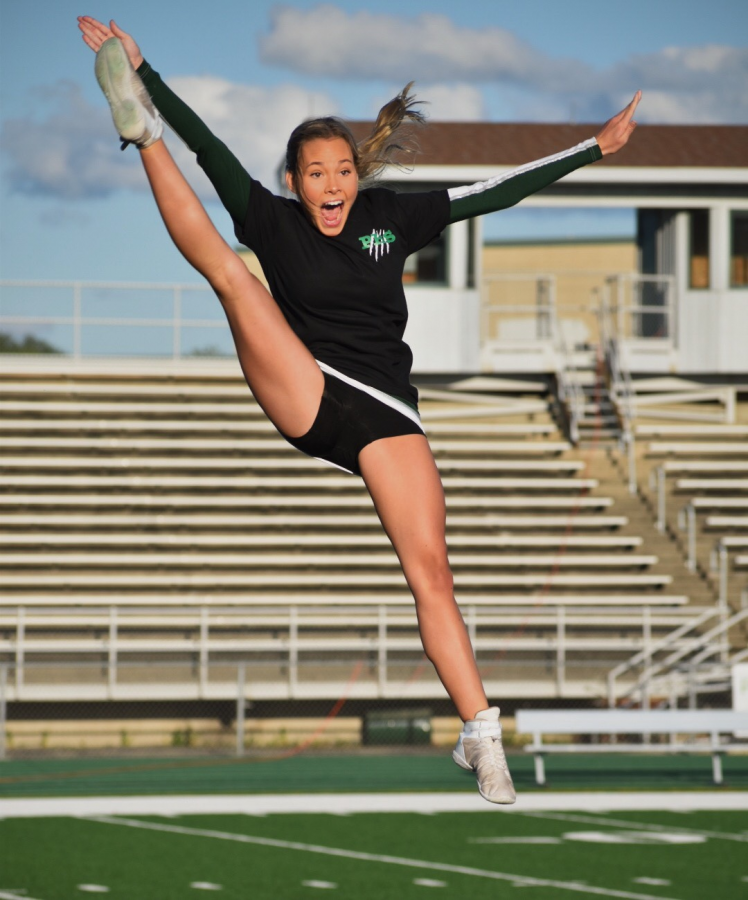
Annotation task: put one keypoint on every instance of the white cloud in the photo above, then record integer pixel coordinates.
(74, 152)
(441, 102)
(686, 84)
(692, 108)
(70, 151)
(453, 102)
(254, 122)
(686, 68)
(327, 40)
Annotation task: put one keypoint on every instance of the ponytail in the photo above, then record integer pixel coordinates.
(390, 142)
(392, 139)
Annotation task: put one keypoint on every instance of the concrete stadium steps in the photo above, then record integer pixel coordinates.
(609, 468)
(698, 471)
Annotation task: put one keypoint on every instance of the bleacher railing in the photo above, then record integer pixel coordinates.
(640, 307)
(101, 318)
(686, 649)
(121, 646)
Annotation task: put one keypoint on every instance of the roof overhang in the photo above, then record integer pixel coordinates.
(623, 186)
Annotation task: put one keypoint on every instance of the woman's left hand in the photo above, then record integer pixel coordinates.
(616, 131)
(95, 33)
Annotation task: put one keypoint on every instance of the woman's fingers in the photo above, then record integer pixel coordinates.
(616, 131)
(118, 32)
(94, 32)
(629, 111)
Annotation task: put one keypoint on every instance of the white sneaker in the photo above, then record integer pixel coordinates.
(135, 117)
(479, 750)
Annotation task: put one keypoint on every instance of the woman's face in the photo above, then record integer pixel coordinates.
(326, 182)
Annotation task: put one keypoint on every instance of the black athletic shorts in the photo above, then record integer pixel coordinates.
(348, 420)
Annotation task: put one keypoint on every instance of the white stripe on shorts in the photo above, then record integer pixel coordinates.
(392, 402)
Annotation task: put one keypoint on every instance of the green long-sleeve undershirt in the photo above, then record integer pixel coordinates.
(233, 183)
(227, 175)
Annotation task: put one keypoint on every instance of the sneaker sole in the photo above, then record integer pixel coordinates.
(461, 761)
(503, 800)
(113, 74)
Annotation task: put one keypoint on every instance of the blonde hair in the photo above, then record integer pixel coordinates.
(391, 141)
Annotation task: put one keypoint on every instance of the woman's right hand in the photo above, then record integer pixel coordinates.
(95, 33)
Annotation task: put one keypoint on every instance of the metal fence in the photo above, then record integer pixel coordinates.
(85, 319)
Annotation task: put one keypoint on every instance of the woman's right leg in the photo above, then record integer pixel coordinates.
(281, 373)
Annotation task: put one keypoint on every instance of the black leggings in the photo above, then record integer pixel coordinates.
(348, 420)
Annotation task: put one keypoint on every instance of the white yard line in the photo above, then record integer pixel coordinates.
(266, 804)
(641, 826)
(4, 895)
(380, 858)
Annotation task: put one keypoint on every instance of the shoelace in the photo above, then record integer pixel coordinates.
(498, 754)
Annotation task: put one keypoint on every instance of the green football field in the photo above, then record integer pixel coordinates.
(351, 772)
(492, 854)
(71, 828)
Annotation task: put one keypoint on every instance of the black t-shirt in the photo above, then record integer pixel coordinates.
(343, 295)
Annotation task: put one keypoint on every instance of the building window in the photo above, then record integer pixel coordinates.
(429, 265)
(739, 249)
(698, 249)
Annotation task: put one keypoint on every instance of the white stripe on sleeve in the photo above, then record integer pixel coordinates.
(458, 193)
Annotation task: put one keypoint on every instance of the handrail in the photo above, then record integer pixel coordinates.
(619, 309)
(570, 393)
(174, 318)
(697, 644)
(543, 310)
(622, 396)
(662, 644)
(376, 628)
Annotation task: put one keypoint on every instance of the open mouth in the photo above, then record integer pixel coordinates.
(332, 213)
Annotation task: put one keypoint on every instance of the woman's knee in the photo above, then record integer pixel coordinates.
(232, 280)
(430, 576)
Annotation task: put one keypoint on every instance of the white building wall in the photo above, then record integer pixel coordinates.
(443, 329)
(712, 323)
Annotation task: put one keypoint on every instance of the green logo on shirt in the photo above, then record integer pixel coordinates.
(377, 242)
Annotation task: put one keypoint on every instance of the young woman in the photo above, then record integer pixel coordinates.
(324, 355)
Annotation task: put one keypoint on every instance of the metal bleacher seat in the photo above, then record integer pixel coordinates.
(690, 485)
(723, 523)
(689, 429)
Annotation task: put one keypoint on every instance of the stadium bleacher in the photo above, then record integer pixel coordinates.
(155, 532)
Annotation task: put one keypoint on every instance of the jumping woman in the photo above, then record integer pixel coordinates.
(324, 355)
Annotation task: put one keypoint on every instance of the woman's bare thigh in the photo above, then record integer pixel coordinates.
(280, 371)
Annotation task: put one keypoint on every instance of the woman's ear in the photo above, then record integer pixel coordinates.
(291, 182)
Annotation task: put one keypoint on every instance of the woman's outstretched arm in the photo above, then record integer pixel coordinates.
(509, 188)
(226, 173)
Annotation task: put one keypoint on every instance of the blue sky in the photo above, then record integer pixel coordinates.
(74, 207)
